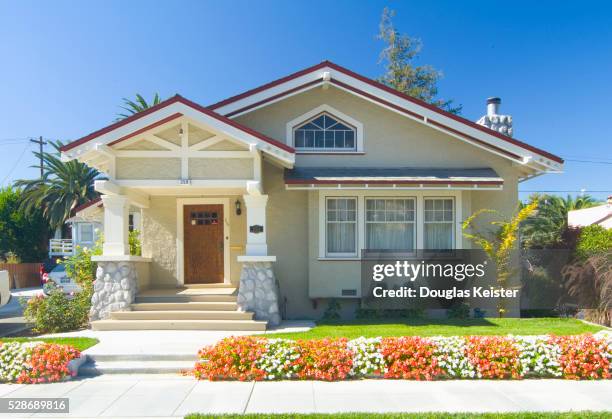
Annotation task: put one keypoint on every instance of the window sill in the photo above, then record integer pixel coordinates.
(339, 259)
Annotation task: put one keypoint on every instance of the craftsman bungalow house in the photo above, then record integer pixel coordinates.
(276, 191)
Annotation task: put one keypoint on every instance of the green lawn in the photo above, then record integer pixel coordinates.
(433, 415)
(446, 327)
(80, 343)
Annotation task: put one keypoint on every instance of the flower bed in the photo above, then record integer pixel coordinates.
(410, 357)
(35, 362)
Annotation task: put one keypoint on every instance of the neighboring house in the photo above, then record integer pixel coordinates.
(599, 215)
(85, 227)
(286, 183)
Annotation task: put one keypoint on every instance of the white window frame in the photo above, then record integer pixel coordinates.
(361, 195)
(415, 222)
(80, 233)
(356, 222)
(454, 220)
(296, 122)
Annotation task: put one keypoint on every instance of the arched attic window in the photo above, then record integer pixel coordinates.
(325, 132)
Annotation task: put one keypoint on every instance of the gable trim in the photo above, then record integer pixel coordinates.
(164, 104)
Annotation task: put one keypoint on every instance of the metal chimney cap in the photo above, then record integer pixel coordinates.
(496, 100)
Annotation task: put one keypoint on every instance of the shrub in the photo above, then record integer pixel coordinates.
(458, 311)
(593, 239)
(451, 357)
(48, 363)
(410, 357)
(538, 356)
(35, 362)
(584, 356)
(332, 312)
(324, 359)
(490, 357)
(13, 357)
(367, 359)
(232, 358)
(493, 356)
(279, 360)
(134, 242)
(57, 312)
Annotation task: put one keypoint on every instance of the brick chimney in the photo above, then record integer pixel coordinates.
(495, 121)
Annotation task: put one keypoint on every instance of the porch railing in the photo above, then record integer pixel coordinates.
(60, 247)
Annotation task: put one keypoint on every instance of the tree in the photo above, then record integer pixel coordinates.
(546, 227)
(63, 187)
(499, 244)
(23, 234)
(134, 106)
(399, 54)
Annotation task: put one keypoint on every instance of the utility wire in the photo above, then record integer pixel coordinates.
(16, 163)
(589, 161)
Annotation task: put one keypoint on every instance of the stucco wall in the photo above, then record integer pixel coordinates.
(148, 168)
(159, 237)
(230, 168)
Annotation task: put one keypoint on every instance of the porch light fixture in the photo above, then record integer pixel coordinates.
(181, 132)
(238, 207)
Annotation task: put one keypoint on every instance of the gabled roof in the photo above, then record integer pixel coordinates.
(343, 78)
(177, 99)
(87, 204)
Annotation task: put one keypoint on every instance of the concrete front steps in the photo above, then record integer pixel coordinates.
(194, 307)
(137, 364)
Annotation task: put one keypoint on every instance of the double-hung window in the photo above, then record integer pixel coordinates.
(439, 224)
(341, 225)
(390, 224)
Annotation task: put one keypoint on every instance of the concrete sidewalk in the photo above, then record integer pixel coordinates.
(175, 396)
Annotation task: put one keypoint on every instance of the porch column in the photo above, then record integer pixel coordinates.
(256, 225)
(259, 290)
(116, 219)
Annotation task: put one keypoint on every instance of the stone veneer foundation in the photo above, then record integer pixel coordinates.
(114, 288)
(259, 292)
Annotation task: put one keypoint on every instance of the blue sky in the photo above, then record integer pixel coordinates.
(65, 66)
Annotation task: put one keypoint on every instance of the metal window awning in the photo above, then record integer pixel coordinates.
(392, 178)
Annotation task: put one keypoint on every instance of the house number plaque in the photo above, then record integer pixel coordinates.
(256, 229)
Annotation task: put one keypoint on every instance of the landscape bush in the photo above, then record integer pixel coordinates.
(35, 362)
(410, 357)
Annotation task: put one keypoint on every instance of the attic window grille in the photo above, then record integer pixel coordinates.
(324, 133)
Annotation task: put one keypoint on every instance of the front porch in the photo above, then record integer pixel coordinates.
(198, 188)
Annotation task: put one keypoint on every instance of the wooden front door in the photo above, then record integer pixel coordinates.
(203, 243)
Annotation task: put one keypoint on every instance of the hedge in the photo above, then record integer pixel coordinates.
(409, 357)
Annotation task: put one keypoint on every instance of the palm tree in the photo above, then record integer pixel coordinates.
(63, 187)
(134, 106)
(545, 228)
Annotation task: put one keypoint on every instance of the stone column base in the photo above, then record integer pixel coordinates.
(114, 288)
(259, 292)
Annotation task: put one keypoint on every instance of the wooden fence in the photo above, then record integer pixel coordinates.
(22, 275)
